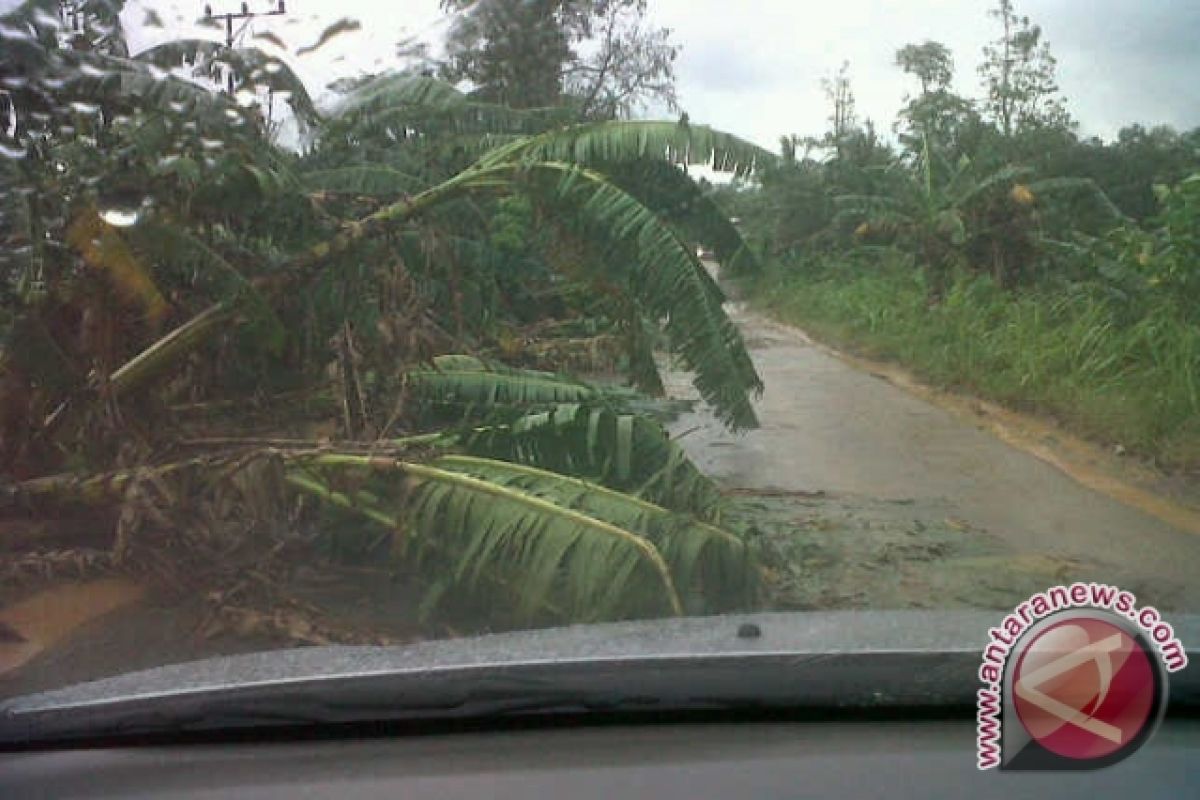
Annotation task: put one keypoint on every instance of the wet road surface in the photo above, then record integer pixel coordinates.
(827, 426)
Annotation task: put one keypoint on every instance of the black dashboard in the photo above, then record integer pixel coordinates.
(830, 704)
(825, 759)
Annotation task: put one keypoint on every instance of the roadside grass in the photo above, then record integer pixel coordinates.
(1102, 367)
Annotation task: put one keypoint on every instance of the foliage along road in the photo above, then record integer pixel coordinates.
(829, 427)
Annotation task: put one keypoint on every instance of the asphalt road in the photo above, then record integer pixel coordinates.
(828, 426)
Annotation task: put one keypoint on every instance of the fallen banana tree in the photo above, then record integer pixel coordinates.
(326, 278)
(657, 267)
(532, 544)
(591, 551)
(558, 423)
(712, 568)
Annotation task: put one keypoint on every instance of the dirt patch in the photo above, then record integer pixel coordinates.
(363, 607)
(43, 620)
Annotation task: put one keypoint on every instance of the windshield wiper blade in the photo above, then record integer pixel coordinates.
(833, 660)
(474, 692)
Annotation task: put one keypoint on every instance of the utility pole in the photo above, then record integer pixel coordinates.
(71, 14)
(245, 13)
(74, 18)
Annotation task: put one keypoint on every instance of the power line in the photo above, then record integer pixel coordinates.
(246, 14)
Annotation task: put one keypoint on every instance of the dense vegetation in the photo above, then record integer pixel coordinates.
(232, 360)
(993, 248)
(246, 338)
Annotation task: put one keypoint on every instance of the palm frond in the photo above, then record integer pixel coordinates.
(459, 380)
(671, 193)
(613, 142)
(361, 179)
(592, 569)
(964, 194)
(409, 107)
(177, 249)
(396, 89)
(630, 452)
(252, 67)
(664, 276)
(1083, 187)
(439, 124)
(96, 78)
(712, 568)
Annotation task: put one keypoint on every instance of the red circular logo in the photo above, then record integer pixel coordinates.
(1084, 688)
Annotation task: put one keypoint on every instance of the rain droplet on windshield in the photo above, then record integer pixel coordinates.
(121, 217)
(343, 25)
(124, 209)
(46, 19)
(15, 34)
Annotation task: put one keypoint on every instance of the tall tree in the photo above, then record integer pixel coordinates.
(1018, 71)
(513, 51)
(842, 120)
(527, 54)
(632, 67)
(936, 111)
(930, 62)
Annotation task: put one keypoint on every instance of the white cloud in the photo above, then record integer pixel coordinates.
(755, 67)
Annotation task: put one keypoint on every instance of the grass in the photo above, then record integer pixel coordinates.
(1100, 366)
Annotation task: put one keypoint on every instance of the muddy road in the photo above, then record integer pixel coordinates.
(885, 473)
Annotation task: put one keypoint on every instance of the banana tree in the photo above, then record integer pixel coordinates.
(155, 231)
(645, 255)
(561, 171)
(952, 217)
(245, 71)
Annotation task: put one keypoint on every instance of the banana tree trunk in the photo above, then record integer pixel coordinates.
(168, 351)
(106, 487)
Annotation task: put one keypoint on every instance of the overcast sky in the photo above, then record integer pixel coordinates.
(754, 67)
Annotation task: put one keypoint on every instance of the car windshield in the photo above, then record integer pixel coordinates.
(378, 323)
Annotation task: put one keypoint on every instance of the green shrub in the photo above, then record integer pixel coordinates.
(1071, 350)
